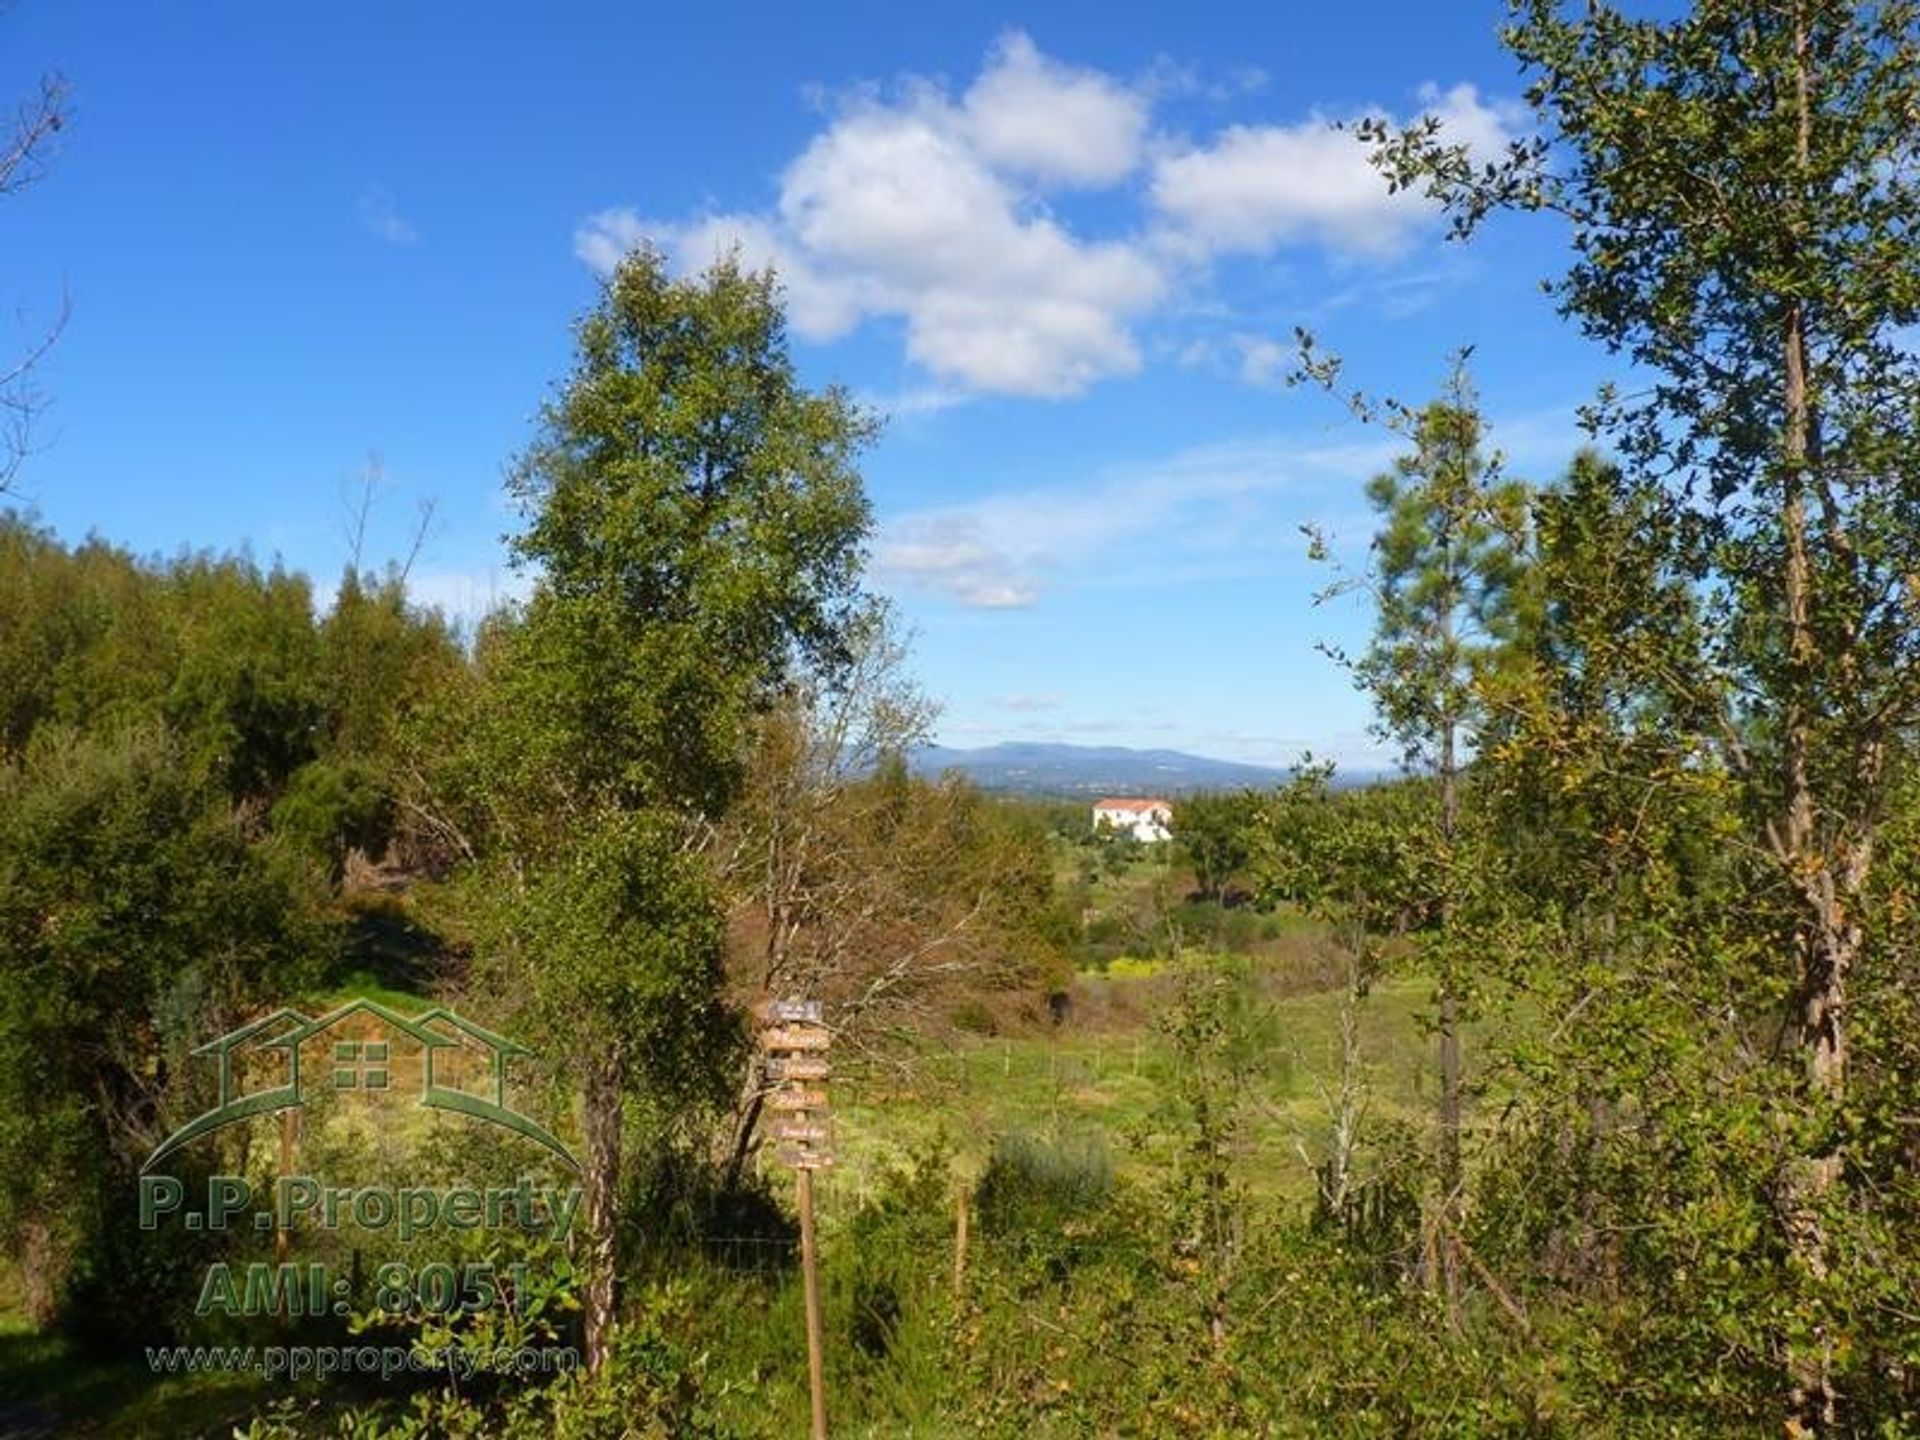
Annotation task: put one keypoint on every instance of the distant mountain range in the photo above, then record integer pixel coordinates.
(1033, 768)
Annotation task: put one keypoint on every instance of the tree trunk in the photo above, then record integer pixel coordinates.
(1827, 938)
(747, 1109)
(1450, 1108)
(40, 1273)
(1449, 1148)
(605, 1112)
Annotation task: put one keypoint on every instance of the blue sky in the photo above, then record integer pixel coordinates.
(1062, 247)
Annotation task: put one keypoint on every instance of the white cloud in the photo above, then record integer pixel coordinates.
(934, 211)
(1485, 127)
(1264, 361)
(819, 307)
(915, 209)
(381, 217)
(1256, 187)
(913, 401)
(948, 552)
(1212, 512)
(1036, 116)
(996, 295)
(1204, 512)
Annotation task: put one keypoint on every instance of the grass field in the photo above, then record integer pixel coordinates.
(1118, 1083)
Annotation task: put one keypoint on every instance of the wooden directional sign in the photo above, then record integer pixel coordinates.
(791, 1012)
(795, 1037)
(799, 1067)
(797, 1098)
(796, 1026)
(807, 1132)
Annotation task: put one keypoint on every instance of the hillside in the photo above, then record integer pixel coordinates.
(1035, 768)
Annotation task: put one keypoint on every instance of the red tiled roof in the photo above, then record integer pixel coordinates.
(1138, 806)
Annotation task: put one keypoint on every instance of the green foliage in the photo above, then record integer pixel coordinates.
(230, 659)
(333, 806)
(137, 916)
(1362, 860)
(695, 519)
(693, 525)
(245, 686)
(1664, 859)
(1449, 560)
(1213, 832)
(379, 660)
(612, 952)
(653, 1388)
(1739, 184)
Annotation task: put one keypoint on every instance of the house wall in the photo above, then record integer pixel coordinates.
(1148, 826)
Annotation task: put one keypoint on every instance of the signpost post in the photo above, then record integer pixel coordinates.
(796, 1043)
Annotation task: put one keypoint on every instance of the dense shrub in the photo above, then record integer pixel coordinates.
(1037, 1183)
(333, 806)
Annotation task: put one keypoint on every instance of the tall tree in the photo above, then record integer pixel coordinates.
(1614, 837)
(1362, 861)
(695, 523)
(694, 531)
(1445, 565)
(1742, 188)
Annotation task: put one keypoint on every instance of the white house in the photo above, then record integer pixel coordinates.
(1146, 820)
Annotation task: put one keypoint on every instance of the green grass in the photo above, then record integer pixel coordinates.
(364, 985)
(1121, 1083)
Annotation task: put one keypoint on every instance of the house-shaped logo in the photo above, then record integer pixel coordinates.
(362, 1047)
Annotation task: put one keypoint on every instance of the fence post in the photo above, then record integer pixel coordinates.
(960, 1214)
(810, 1268)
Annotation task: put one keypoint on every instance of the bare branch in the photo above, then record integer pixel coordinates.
(23, 154)
(37, 121)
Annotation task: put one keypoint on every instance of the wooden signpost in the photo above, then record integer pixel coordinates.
(790, 1038)
(796, 1042)
(794, 1097)
(799, 1067)
(807, 1132)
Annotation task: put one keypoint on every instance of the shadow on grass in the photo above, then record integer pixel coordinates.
(49, 1387)
(387, 949)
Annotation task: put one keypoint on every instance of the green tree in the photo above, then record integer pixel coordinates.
(1362, 861)
(694, 530)
(379, 657)
(1222, 1036)
(1445, 579)
(1214, 833)
(695, 523)
(1741, 190)
(138, 915)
